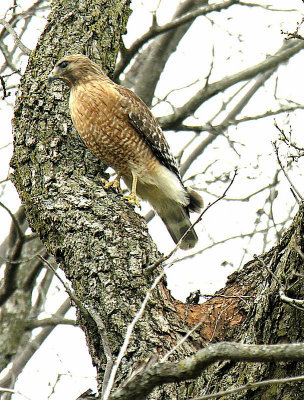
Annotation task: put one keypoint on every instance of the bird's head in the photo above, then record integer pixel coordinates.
(73, 69)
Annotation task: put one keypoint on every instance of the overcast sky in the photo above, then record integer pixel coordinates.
(240, 39)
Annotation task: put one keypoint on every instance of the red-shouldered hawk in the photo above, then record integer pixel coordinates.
(119, 129)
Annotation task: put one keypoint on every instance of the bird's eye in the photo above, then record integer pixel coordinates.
(63, 64)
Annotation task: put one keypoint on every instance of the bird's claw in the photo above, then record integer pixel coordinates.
(132, 199)
(115, 184)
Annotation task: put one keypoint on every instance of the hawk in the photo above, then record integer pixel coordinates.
(119, 128)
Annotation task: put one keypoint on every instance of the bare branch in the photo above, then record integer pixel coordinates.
(53, 321)
(106, 347)
(166, 356)
(261, 260)
(16, 17)
(22, 260)
(16, 223)
(192, 367)
(156, 30)
(128, 337)
(17, 41)
(248, 386)
(267, 7)
(12, 248)
(3, 389)
(270, 63)
(221, 127)
(298, 304)
(71, 294)
(5, 92)
(90, 314)
(29, 350)
(296, 193)
(230, 117)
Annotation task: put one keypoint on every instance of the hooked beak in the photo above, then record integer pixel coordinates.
(52, 76)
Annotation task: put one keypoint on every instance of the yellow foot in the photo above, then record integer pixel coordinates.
(132, 199)
(115, 184)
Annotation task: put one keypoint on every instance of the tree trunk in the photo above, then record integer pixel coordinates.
(103, 245)
(96, 237)
(250, 310)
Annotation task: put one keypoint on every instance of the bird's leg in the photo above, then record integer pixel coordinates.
(115, 183)
(132, 198)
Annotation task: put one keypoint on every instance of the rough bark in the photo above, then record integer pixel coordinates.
(250, 310)
(97, 239)
(103, 245)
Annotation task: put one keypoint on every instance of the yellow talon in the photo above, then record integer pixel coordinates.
(132, 199)
(115, 183)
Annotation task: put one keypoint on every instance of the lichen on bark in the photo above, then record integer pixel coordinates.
(103, 246)
(96, 237)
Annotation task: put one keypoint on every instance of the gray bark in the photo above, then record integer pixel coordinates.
(103, 245)
(96, 237)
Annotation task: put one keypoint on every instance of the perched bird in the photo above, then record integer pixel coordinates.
(119, 128)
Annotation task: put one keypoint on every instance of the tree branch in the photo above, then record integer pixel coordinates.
(250, 386)
(156, 30)
(272, 62)
(6, 390)
(17, 41)
(53, 321)
(29, 350)
(296, 193)
(128, 336)
(230, 117)
(190, 368)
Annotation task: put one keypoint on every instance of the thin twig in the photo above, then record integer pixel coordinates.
(128, 337)
(72, 296)
(156, 30)
(16, 223)
(240, 297)
(17, 41)
(5, 92)
(166, 356)
(166, 257)
(260, 259)
(38, 323)
(90, 314)
(3, 389)
(298, 196)
(218, 319)
(24, 354)
(298, 304)
(248, 386)
(106, 347)
(68, 290)
(21, 260)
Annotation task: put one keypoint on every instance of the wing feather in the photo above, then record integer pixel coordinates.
(143, 121)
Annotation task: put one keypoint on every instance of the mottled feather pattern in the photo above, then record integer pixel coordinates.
(118, 127)
(146, 125)
(100, 120)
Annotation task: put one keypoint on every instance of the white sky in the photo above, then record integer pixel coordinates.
(260, 31)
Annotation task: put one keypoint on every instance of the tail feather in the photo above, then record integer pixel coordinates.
(176, 218)
(172, 202)
(177, 222)
(195, 201)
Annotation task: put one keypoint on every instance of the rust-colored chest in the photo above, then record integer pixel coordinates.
(100, 116)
